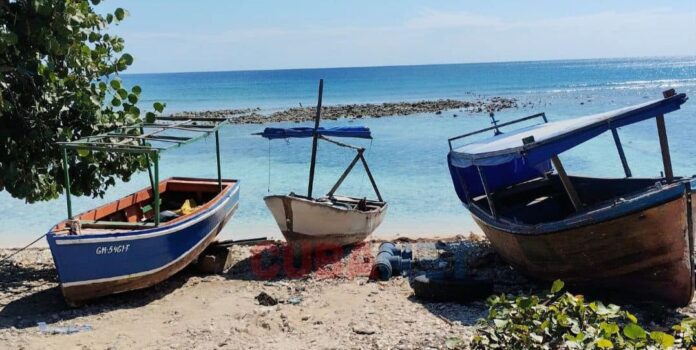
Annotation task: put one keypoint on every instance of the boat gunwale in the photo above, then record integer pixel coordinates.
(210, 207)
(637, 202)
(380, 209)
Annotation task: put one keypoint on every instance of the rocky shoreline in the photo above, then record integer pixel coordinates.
(357, 111)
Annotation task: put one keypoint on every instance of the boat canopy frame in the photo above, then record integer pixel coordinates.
(136, 138)
(318, 133)
(556, 162)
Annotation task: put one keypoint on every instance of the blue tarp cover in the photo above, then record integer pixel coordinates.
(554, 138)
(505, 160)
(342, 131)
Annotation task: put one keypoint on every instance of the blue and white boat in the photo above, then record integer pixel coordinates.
(148, 236)
(608, 235)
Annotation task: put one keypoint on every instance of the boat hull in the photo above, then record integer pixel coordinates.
(95, 265)
(302, 220)
(646, 254)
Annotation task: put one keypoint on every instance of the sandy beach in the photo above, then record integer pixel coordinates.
(331, 306)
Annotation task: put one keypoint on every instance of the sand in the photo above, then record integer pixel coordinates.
(333, 306)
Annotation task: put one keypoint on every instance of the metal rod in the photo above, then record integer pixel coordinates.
(369, 175)
(315, 139)
(66, 174)
(147, 161)
(155, 191)
(542, 115)
(567, 184)
(217, 153)
(622, 155)
(491, 205)
(664, 142)
(344, 175)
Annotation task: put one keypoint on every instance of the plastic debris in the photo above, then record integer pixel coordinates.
(46, 329)
(295, 300)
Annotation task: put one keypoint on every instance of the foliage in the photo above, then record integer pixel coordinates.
(561, 320)
(59, 81)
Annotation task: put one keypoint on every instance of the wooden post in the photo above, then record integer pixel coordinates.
(313, 162)
(570, 189)
(622, 155)
(147, 160)
(345, 174)
(372, 179)
(491, 206)
(66, 174)
(664, 143)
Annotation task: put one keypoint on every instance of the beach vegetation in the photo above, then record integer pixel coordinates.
(60, 81)
(561, 320)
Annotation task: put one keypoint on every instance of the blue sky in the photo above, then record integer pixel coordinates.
(205, 35)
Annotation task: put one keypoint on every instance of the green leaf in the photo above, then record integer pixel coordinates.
(83, 152)
(115, 102)
(159, 107)
(127, 59)
(604, 344)
(557, 286)
(109, 19)
(132, 98)
(665, 340)
(634, 331)
(609, 328)
(150, 117)
(631, 317)
(136, 90)
(120, 14)
(115, 84)
(122, 93)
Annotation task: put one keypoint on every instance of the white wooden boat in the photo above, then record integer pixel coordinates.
(331, 219)
(338, 220)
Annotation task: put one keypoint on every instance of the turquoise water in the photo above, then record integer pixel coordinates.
(408, 154)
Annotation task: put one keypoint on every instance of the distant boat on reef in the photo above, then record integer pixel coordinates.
(630, 235)
(331, 219)
(146, 237)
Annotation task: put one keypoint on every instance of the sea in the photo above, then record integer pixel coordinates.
(408, 153)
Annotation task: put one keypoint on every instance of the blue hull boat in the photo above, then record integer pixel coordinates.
(117, 248)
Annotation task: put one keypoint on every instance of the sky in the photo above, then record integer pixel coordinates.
(206, 35)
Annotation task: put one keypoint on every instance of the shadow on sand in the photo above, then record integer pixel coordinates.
(466, 259)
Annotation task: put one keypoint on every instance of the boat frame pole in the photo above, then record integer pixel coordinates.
(622, 155)
(664, 142)
(369, 175)
(217, 154)
(315, 136)
(489, 198)
(567, 184)
(66, 175)
(155, 190)
(345, 173)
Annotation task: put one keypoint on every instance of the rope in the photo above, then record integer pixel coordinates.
(269, 165)
(22, 249)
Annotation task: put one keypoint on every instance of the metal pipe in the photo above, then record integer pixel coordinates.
(217, 153)
(314, 140)
(155, 190)
(66, 174)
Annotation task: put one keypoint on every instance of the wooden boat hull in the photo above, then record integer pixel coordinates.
(303, 220)
(99, 264)
(647, 254)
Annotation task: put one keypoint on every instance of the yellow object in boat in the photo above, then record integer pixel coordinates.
(188, 207)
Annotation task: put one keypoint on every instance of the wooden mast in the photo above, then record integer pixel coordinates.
(315, 139)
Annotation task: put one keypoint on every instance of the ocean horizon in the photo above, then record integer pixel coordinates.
(408, 153)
